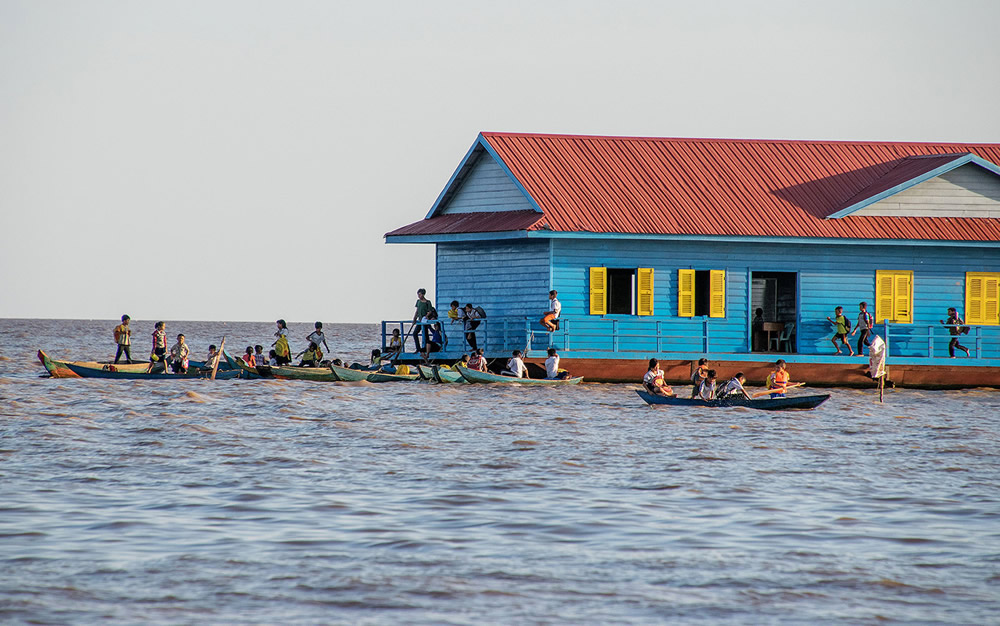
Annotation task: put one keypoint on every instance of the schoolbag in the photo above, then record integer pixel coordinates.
(481, 311)
(847, 325)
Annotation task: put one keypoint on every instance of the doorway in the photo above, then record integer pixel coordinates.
(774, 306)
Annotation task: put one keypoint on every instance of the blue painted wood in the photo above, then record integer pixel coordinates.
(487, 187)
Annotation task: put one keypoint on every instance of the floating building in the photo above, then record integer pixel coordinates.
(667, 248)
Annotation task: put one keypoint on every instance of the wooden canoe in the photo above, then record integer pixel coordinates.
(111, 372)
(764, 404)
(289, 372)
(385, 377)
(346, 374)
(447, 375)
(60, 369)
(475, 376)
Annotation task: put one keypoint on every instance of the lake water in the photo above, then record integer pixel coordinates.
(267, 502)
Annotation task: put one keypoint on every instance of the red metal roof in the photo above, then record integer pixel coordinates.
(734, 187)
(487, 222)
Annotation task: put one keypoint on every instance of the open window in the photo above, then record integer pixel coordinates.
(621, 291)
(701, 292)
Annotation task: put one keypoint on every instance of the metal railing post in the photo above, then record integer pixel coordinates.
(527, 336)
(383, 335)
(705, 334)
(565, 331)
(930, 342)
(886, 333)
(659, 334)
(614, 335)
(979, 342)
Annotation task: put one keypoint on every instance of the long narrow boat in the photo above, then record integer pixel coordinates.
(764, 404)
(475, 376)
(447, 375)
(288, 372)
(349, 375)
(60, 369)
(385, 377)
(110, 372)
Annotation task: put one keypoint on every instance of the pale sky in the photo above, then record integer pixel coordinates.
(241, 160)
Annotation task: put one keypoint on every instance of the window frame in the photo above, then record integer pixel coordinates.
(897, 281)
(980, 314)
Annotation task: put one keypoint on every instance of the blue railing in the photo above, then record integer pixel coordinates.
(657, 336)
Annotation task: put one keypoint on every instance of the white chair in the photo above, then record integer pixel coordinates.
(784, 339)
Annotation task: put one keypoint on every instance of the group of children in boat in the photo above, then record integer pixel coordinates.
(705, 384)
(177, 359)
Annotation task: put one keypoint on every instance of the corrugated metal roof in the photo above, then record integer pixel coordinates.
(457, 223)
(736, 187)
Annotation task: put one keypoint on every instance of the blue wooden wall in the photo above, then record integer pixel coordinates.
(829, 275)
(510, 279)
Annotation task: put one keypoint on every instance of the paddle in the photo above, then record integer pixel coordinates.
(775, 390)
(218, 357)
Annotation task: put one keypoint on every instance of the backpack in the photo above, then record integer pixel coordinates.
(481, 311)
(964, 330)
(847, 325)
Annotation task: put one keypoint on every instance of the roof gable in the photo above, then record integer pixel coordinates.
(962, 186)
(482, 183)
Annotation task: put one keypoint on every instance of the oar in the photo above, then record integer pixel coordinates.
(222, 347)
(775, 390)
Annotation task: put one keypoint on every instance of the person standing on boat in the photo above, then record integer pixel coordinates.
(734, 388)
(698, 376)
(421, 308)
(956, 326)
(317, 337)
(159, 351)
(123, 337)
(550, 320)
(653, 380)
(281, 347)
(179, 356)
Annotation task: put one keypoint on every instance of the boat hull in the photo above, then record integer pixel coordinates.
(281, 372)
(475, 376)
(791, 403)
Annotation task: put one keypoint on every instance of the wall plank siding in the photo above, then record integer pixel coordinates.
(967, 191)
(828, 276)
(487, 188)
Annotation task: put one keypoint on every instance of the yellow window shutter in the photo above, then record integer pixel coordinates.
(645, 280)
(903, 297)
(685, 293)
(974, 298)
(982, 298)
(991, 300)
(598, 291)
(883, 296)
(717, 302)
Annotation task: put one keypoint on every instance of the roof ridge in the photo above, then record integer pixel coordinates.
(841, 142)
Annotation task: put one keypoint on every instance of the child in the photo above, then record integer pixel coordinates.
(698, 376)
(515, 366)
(395, 345)
(317, 337)
(477, 361)
(757, 330)
(552, 366)
(281, 348)
(311, 356)
(956, 326)
(464, 361)
(258, 356)
(778, 379)
(159, 351)
(179, 356)
(865, 325)
(272, 359)
(249, 357)
(454, 315)
(706, 388)
(734, 388)
(212, 357)
(841, 331)
(653, 380)
(471, 319)
(123, 337)
(550, 319)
